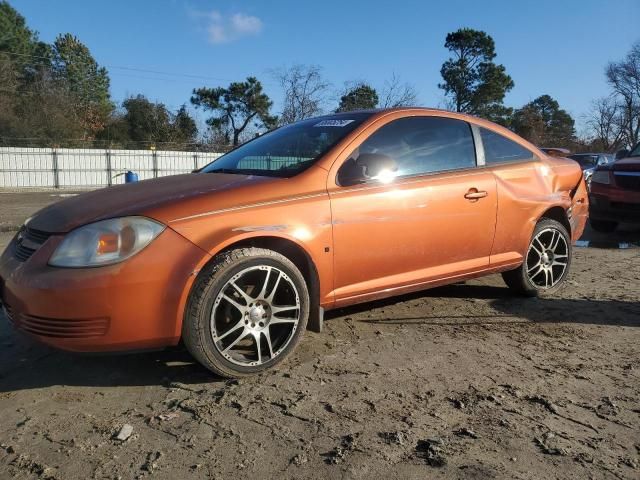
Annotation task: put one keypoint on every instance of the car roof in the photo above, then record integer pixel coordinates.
(373, 111)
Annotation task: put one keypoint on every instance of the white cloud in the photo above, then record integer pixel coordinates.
(224, 29)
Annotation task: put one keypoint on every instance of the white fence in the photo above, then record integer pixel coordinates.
(71, 167)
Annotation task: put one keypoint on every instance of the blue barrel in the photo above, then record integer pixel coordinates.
(130, 177)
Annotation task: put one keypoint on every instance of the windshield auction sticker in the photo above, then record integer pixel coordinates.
(333, 123)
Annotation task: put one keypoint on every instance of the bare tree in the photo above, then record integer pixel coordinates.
(605, 124)
(624, 78)
(395, 93)
(305, 92)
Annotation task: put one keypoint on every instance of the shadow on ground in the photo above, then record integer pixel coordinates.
(27, 365)
(625, 234)
(509, 308)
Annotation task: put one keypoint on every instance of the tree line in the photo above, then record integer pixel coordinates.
(57, 95)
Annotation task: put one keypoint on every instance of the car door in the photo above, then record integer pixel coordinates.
(432, 218)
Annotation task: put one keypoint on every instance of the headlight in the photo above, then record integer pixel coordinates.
(106, 242)
(601, 176)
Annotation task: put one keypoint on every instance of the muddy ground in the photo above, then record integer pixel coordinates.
(464, 381)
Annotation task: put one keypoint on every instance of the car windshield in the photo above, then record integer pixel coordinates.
(288, 150)
(636, 151)
(585, 161)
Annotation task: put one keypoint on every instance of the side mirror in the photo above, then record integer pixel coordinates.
(622, 153)
(368, 166)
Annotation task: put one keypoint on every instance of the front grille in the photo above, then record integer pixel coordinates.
(27, 242)
(58, 328)
(36, 236)
(628, 181)
(23, 253)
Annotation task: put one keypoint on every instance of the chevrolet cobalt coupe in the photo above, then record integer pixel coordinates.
(238, 259)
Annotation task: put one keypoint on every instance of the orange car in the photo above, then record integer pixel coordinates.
(241, 257)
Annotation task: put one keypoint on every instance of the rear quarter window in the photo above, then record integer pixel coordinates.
(499, 149)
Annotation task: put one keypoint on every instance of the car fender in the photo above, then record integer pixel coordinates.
(526, 192)
(244, 237)
(304, 221)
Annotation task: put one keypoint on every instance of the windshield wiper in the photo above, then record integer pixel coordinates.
(249, 171)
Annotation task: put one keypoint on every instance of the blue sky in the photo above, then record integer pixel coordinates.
(554, 47)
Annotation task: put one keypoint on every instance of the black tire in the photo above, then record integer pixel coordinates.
(603, 226)
(197, 330)
(519, 280)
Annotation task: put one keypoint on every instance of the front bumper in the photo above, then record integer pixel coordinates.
(136, 304)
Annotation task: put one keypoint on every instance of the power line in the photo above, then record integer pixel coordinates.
(144, 77)
(186, 75)
(143, 70)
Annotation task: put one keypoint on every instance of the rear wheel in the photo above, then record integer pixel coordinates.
(546, 262)
(603, 226)
(247, 311)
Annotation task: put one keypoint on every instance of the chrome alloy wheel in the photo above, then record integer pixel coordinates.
(255, 315)
(547, 258)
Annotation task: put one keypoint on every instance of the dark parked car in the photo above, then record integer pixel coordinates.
(615, 193)
(589, 161)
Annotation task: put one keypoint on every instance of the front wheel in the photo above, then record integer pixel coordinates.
(546, 263)
(247, 311)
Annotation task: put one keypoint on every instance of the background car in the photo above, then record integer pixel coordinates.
(556, 151)
(615, 193)
(589, 161)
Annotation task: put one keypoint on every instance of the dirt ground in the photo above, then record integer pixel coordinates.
(464, 381)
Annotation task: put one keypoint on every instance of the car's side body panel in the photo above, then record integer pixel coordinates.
(524, 194)
(422, 223)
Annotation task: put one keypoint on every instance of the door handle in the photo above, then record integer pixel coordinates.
(475, 194)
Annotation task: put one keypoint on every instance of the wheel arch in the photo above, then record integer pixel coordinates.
(289, 248)
(558, 214)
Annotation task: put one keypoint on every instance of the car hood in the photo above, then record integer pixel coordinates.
(148, 197)
(631, 164)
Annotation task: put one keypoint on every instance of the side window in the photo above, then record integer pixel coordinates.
(499, 149)
(411, 146)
